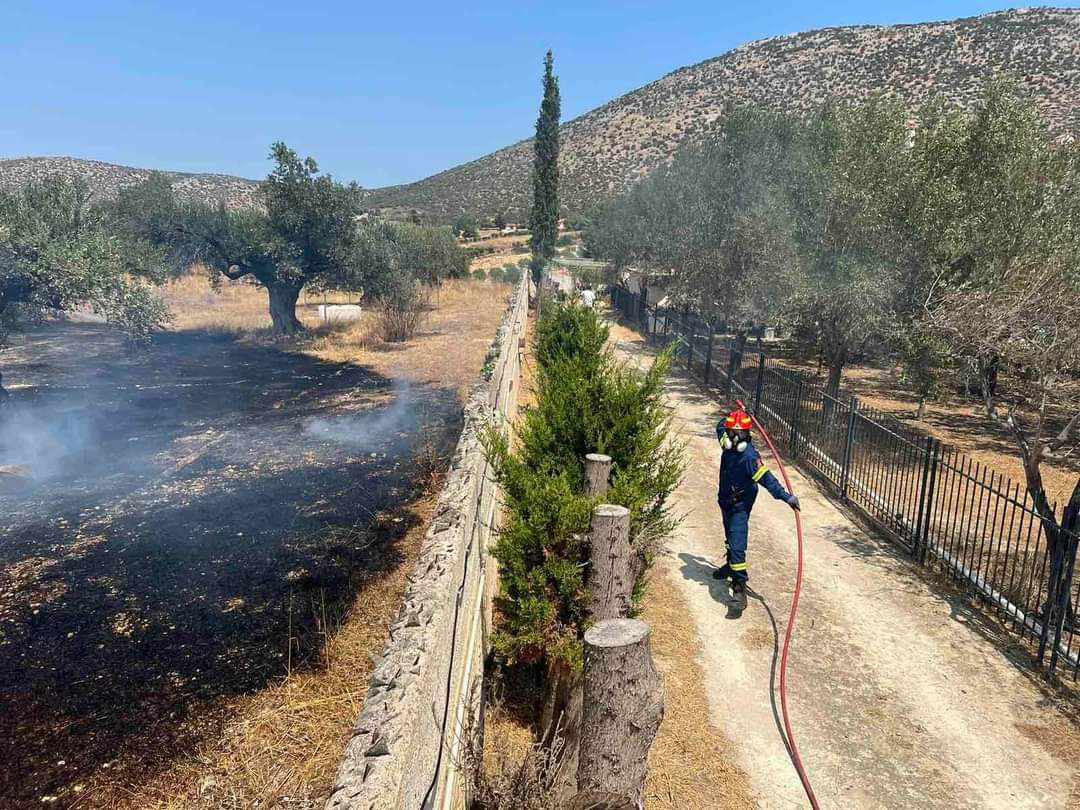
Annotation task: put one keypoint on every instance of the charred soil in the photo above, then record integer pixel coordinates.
(190, 526)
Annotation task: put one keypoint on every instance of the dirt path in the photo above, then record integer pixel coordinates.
(899, 698)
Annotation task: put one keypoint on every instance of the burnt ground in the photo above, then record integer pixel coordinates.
(193, 513)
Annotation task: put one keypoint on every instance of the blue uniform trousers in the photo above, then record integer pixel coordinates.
(736, 531)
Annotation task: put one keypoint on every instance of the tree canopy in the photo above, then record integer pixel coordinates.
(59, 252)
(308, 232)
(947, 240)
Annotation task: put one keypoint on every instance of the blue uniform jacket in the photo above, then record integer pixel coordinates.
(740, 473)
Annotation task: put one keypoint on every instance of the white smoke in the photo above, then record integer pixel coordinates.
(44, 447)
(371, 428)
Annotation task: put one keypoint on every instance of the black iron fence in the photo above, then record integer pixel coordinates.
(948, 511)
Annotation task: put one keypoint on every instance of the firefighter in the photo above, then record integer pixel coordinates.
(741, 470)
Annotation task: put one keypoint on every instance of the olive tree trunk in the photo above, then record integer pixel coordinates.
(283, 299)
(621, 711)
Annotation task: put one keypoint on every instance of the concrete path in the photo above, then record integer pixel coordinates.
(900, 695)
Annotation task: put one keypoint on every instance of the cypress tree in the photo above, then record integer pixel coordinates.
(544, 219)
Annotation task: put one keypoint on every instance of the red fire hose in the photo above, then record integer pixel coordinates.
(793, 748)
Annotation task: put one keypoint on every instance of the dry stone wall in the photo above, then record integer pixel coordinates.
(402, 752)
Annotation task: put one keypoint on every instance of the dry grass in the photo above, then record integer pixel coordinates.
(447, 351)
(281, 747)
(692, 765)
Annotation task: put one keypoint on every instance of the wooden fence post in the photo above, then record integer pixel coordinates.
(611, 570)
(597, 473)
(611, 583)
(622, 710)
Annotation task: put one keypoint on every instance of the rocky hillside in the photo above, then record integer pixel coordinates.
(610, 147)
(106, 179)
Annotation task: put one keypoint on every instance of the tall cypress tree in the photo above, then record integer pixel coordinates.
(544, 219)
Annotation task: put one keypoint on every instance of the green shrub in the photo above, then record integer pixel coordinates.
(586, 402)
(564, 241)
(479, 274)
(466, 226)
(511, 273)
(497, 274)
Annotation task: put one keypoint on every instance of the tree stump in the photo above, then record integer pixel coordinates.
(611, 571)
(622, 709)
(597, 473)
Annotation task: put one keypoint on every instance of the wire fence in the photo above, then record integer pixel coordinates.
(949, 512)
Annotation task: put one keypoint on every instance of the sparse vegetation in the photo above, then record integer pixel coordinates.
(608, 149)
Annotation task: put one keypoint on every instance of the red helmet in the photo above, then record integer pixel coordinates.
(738, 420)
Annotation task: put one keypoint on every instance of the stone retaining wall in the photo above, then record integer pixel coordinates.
(403, 749)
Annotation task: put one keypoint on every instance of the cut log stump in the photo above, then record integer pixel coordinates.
(597, 474)
(611, 572)
(623, 704)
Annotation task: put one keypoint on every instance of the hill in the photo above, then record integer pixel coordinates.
(605, 150)
(106, 179)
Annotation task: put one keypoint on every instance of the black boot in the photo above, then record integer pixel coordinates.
(723, 572)
(738, 593)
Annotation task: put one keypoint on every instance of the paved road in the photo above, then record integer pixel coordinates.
(900, 695)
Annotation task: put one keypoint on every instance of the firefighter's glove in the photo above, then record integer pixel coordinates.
(793, 502)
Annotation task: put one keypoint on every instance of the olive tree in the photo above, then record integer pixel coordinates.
(843, 185)
(58, 252)
(304, 232)
(1003, 277)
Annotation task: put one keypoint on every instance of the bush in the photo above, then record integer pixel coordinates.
(511, 273)
(586, 402)
(478, 274)
(564, 241)
(497, 274)
(466, 226)
(403, 309)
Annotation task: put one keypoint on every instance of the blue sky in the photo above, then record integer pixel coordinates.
(379, 93)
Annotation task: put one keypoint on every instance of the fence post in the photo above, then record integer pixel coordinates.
(708, 355)
(917, 539)
(1070, 524)
(845, 471)
(795, 414)
(931, 489)
(690, 346)
(759, 387)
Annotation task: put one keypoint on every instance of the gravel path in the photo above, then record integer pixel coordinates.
(899, 694)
